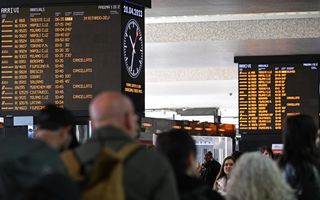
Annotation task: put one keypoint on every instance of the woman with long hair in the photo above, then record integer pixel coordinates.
(223, 176)
(180, 149)
(301, 161)
(256, 177)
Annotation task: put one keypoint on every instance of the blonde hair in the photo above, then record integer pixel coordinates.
(256, 177)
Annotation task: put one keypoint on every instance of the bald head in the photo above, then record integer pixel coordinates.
(113, 109)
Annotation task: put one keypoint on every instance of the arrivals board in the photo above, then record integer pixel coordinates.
(269, 92)
(58, 54)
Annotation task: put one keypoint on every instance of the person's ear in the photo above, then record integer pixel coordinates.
(64, 133)
(65, 137)
(36, 133)
(127, 122)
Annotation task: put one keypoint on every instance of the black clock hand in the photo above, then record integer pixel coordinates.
(131, 41)
(133, 50)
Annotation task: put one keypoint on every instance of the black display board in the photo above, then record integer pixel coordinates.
(133, 55)
(272, 88)
(66, 54)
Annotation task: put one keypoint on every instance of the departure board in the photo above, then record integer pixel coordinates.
(270, 92)
(58, 54)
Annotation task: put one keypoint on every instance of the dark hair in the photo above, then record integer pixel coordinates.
(52, 118)
(266, 148)
(299, 140)
(209, 153)
(236, 155)
(221, 172)
(177, 146)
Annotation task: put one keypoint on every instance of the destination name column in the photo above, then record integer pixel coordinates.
(40, 85)
(265, 107)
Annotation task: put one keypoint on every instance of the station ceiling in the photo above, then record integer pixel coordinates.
(213, 7)
(190, 46)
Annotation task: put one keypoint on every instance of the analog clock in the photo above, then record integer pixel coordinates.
(133, 48)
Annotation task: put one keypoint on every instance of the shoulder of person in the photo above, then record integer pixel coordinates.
(151, 157)
(221, 180)
(216, 162)
(13, 148)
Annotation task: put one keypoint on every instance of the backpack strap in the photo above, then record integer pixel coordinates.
(127, 150)
(73, 165)
(107, 159)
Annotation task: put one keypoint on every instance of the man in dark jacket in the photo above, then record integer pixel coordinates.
(180, 149)
(24, 162)
(147, 175)
(210, 169)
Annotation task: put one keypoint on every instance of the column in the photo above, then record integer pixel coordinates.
(243, 99)
(7, 64)
(252, 100)
(39, 62)
(265, 114)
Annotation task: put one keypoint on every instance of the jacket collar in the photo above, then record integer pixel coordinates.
(109, 132)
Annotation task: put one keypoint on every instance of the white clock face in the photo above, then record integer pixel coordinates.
(133, 48)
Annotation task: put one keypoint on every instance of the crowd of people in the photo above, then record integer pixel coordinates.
(112, 165)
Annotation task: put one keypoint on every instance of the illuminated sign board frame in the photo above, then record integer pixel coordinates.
(134, 88)
(246, 62)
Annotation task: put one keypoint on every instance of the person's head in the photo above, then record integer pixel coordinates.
(226, 167)
(208, 156)
(299, 139)
(54, 126)
(236, 155)
(116, 110)
(180, 149)
(257, 177)
(267, 151)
